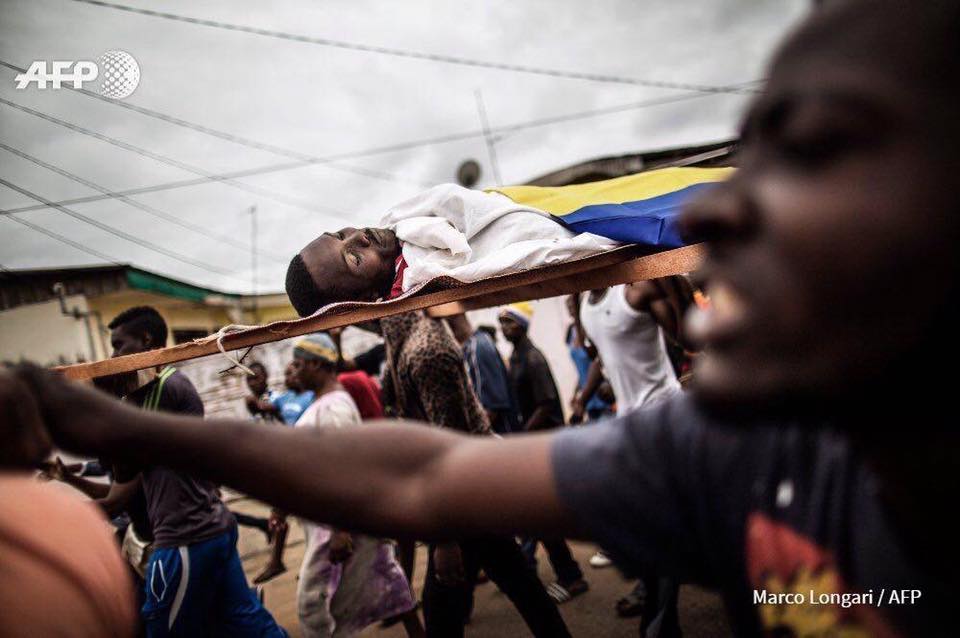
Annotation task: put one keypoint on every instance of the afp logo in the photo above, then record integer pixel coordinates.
(117, 70)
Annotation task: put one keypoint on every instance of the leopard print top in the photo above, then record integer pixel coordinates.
(428, 380)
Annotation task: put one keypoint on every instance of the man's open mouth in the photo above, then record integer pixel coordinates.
(722, 319)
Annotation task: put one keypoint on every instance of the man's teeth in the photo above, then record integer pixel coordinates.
(726, 304)
(724, 307)
(696, 323)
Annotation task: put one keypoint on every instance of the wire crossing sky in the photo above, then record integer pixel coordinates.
(431, 57)
(324, 115)
(173, 219)
(304, 157)
(134, 239)
(271, 168)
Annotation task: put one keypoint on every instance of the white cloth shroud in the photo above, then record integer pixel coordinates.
(470, 235)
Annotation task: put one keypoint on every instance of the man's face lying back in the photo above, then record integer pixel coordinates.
(355, 264)
(831, 249)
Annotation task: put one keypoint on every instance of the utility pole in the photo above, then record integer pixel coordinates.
(253, 262)
(491, 149)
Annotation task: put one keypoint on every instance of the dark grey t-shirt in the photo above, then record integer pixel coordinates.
(754, 510)
(534, 385)
(182, 510)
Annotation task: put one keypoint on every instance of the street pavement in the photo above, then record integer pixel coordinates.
(589, 615)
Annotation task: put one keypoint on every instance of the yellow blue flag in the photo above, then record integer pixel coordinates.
(637, 209)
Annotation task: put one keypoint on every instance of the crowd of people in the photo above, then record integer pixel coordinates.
(171, 526)
(797, 474)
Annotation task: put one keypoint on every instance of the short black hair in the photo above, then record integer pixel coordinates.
(260, 366)
(301, 289)
(142, 320)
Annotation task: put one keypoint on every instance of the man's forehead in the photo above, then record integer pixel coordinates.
(894, 39)
(317, 242)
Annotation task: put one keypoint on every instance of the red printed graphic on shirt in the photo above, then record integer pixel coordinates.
(793, 580)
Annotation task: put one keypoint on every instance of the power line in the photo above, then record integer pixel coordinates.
(306, 158)
(197, 181)
(488, 137)
(392, 148)
(262, 192)
(65, 240)
(420, 55)
(230, 137)
(119, 233)
(225, 239)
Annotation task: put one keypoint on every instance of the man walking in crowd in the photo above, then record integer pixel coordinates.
(626, 324)
(428, 382)
(540, 410)
(798, 463)
(194, 570)
(347, 581)
(488, 375)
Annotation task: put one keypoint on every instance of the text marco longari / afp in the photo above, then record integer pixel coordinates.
(844, 600)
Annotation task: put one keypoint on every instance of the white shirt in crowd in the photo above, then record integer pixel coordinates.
(631, 345)
(335, 409)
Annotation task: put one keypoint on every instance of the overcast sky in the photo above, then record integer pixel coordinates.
(321, 101)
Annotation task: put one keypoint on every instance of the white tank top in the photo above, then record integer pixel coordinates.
(631, 345)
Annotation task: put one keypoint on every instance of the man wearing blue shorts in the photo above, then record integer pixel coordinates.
(195, 583)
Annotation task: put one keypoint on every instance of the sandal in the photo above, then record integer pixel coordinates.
(561, 593)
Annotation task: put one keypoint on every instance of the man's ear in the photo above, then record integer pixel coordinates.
(147, 340)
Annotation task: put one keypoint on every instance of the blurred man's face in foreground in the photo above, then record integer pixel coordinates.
(831, 254)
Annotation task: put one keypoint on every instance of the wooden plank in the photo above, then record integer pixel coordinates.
(557, 279)
(638, 269)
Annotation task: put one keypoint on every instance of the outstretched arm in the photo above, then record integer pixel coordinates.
(382, 478)
(113, 498)
(56, 470)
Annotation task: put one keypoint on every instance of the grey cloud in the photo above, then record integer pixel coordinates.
(323, 101)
